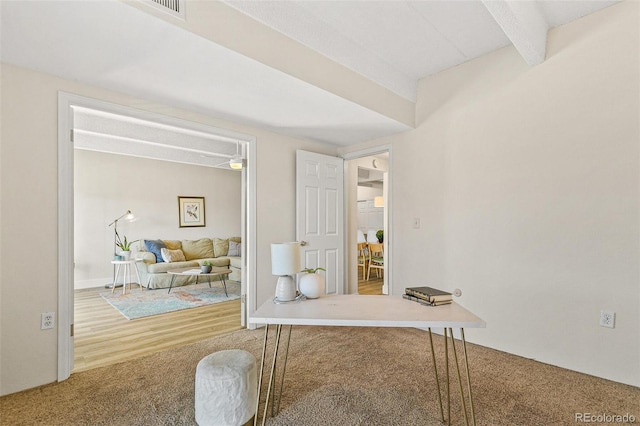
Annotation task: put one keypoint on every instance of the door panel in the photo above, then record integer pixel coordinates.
(331, 279)
(319, 215)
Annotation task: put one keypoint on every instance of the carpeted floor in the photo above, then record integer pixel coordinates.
(335, 376)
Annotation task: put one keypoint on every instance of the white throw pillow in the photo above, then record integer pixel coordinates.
(235, 248)
(172, 255)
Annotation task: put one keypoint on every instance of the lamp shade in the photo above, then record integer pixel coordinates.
(285, 258)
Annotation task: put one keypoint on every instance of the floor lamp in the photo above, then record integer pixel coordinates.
(129, 217)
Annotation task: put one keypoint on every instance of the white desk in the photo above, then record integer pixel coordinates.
(367, 311)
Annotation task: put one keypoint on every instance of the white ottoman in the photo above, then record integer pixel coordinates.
(226, 388)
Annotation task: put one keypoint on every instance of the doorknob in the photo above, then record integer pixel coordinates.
(303, 243)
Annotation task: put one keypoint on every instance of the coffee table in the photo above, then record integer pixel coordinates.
(215, 272)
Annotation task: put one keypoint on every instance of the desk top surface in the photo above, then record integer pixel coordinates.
(365, 311)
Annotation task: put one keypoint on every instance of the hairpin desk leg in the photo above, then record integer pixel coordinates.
(435, 371)
(264, 352)
(271, 374)
(455, 358)
(466, 365)
(446, 368)
(284, 368)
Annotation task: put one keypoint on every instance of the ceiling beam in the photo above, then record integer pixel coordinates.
(524, 24)
(234, 30)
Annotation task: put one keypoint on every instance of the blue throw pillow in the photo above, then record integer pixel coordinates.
(155, 247)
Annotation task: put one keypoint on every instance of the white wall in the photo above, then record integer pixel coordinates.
(107, 185)
(29, 219)
(368, 193)
(526, 181)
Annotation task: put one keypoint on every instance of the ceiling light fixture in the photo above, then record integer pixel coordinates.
(236, 162)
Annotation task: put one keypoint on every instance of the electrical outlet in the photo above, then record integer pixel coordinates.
(607, 319)
(47, 320)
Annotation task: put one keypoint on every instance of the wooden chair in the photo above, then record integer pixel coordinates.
(376, 259)
(362, 258)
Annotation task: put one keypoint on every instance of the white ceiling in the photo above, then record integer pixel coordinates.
(112, 133)
(109, 44)
(398, 42)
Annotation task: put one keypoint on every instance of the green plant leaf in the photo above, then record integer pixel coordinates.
(313, 271)
(124, 244)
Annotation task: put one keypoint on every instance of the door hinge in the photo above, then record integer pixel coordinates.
(71, 136)
(72, 330)
(243, 298)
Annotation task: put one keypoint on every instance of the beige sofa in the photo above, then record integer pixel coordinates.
(153, 269)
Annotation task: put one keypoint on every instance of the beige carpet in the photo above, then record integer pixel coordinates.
(335, 376)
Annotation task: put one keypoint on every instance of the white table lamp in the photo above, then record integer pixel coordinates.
(285, 262)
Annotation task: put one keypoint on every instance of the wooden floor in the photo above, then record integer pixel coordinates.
(372, 286)
(104, 337)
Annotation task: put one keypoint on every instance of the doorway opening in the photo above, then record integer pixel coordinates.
(170, 141)
(368, 225)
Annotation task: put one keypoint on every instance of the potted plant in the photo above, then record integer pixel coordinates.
(206, 267)
(125, 247)
(380, 235)
(311, 283)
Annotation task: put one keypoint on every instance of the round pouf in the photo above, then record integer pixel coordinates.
(226, 388)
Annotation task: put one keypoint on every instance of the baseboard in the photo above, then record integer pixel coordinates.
(97, 282)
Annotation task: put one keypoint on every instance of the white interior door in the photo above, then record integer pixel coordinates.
(319, 215)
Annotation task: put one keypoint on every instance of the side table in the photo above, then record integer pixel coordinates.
(126, 274)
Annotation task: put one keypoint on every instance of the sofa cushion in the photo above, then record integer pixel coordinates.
(220, 247)
(235, 248)
(197, 249)
(173, 244)
(155, 247)
(172, 255)
(158, 268)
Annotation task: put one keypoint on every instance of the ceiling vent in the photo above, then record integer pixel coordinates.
(173, 7)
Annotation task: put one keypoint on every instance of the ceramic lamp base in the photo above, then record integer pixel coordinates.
(285, 289)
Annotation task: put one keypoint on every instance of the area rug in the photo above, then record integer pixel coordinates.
(139, 303)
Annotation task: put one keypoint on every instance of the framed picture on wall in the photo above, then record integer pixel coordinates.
(191, 211)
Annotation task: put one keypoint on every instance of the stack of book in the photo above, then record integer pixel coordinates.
(427, 296)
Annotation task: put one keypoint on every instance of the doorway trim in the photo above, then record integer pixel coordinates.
(388, 216)
(66, 102)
